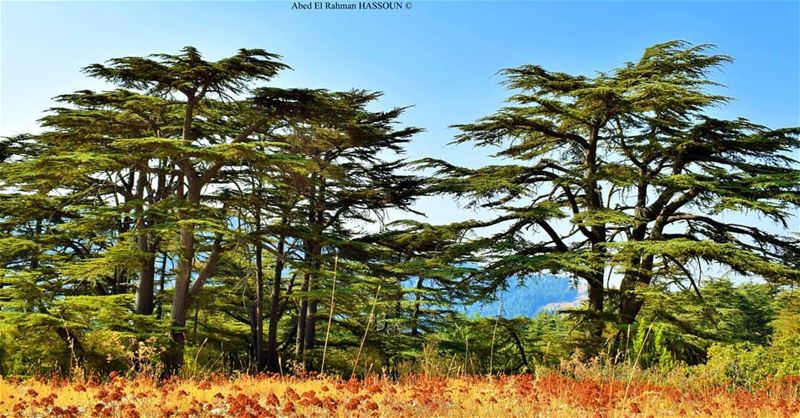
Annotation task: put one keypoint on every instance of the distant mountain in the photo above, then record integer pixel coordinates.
(536, 295)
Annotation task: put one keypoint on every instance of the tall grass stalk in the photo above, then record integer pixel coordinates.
(636, 363)
(330, 315)
(366, 331)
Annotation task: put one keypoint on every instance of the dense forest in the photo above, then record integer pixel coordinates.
(193, 218)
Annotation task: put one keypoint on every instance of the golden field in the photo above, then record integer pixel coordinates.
(545, 395)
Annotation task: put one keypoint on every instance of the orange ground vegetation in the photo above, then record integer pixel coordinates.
(549, 395)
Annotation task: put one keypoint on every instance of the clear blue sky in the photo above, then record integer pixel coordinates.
(439, 56)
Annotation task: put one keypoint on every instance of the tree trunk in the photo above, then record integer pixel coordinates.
(161, 282)
(173, 355)
(147, 272)
(311, 312)
(308, 263)
(317, 220)
(640, 273)
(252, 365)
(258, 317)
(275, 311)
(302, 314)
(519, 345)
(76, 348)
(594, 280)
(180, 301)
(311, 324)
(630, 302)
(173, 359)
(596, 300)
(627, 299)
(144, 294)
(415, 314)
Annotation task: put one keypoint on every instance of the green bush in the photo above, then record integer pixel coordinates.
(748, 365)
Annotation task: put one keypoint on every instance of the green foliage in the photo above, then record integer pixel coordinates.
(681, 326)
(750, 365)
(194, 216)
(643, 173)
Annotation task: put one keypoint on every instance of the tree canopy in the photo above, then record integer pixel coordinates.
(195, 209)
(625, 175)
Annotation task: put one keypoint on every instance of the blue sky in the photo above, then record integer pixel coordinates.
(439, 56)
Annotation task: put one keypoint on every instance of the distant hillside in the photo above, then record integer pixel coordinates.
(537, 295)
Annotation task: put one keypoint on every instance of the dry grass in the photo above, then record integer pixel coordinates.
(548, 395)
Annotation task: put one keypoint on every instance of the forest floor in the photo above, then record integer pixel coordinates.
(548, 395)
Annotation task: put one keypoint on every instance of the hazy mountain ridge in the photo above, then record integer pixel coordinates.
(534, 296)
